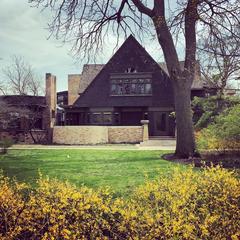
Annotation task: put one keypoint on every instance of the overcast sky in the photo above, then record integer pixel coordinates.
(23, 31)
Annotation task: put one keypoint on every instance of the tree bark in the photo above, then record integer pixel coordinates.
(185, 133)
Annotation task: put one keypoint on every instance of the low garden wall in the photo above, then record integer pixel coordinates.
(97, 134)
(80, 134)
(125, 134)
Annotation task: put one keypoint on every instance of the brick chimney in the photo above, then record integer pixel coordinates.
(51, 99)
(73, 87)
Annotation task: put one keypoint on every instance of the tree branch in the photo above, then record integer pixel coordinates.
(142, 8)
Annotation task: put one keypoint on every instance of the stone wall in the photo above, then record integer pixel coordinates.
(97, 134)
(125, 134)
(80, 134)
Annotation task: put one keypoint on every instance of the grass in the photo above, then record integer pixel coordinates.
(122, 170)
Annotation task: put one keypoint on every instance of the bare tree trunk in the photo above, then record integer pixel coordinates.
(185, 133)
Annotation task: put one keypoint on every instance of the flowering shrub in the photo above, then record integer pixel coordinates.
(207, 140)
(181, 205)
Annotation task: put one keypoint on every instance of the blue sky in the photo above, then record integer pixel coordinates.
(23, 31)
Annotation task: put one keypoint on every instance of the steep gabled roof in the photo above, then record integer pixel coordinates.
(90, 71)
(131, 53)
(97, 68)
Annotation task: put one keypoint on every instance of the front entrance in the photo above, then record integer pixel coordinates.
(161, 123)
(131, 118)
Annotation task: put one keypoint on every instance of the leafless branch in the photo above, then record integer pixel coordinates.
(220, 60)
(21, 79)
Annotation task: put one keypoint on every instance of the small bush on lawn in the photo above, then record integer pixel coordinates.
(224, 133)
(5, 143)
(182, 205)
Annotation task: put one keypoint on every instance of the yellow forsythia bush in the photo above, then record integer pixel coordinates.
(181, 205)
(208, 141)
(223, 133)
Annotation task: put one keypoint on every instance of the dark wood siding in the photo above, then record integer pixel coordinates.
(130, 55)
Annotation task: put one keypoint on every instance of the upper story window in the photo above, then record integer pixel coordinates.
(130, 70)
(130, 84)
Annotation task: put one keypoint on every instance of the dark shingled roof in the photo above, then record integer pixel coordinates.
(23, 100)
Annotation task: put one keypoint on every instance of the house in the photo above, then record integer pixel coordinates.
(28, 119)
(131, 87)
(19, 104)
(20, 114)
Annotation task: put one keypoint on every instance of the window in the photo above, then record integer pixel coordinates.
(72, 119)
(101, 118)
(96, 118)
(107, 118)
(14, 114)
(135, 86)
(130, 70)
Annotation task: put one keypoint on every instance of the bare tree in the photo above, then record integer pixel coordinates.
(11, 116)
(220, 59)
(88, 23)
(21, 78)
(2, 88)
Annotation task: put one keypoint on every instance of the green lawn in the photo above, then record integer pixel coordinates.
(120, 169)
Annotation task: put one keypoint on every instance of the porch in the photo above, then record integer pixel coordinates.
(161, 123)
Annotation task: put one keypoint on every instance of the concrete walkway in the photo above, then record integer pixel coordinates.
(159, 144)
(163, 144)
